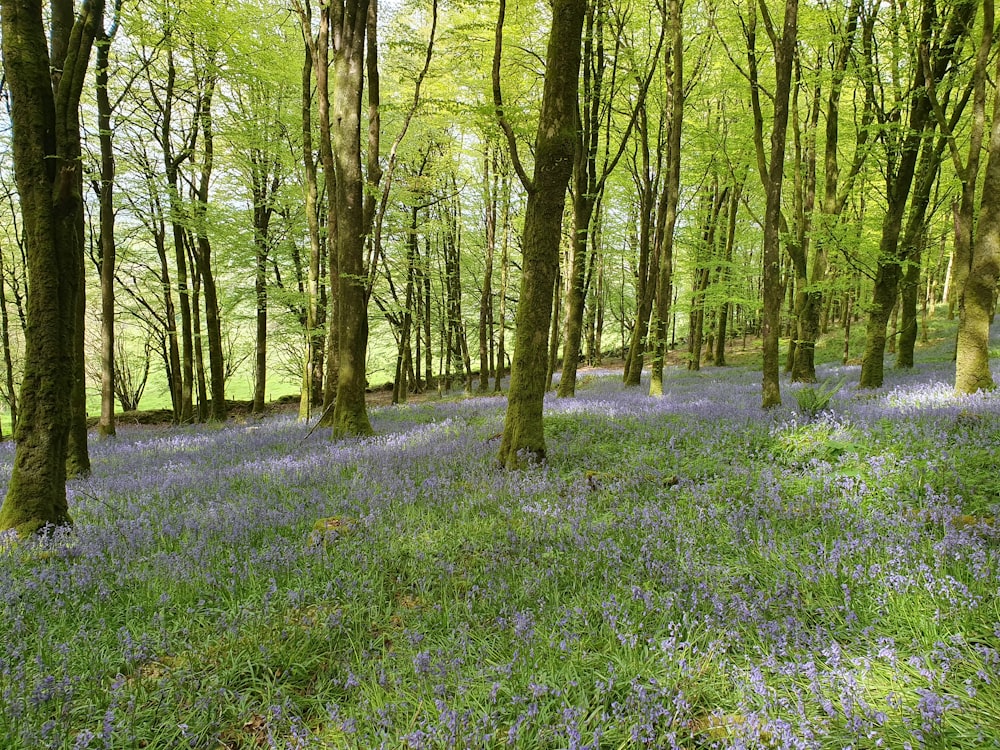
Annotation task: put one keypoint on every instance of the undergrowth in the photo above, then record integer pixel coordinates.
(687, 572)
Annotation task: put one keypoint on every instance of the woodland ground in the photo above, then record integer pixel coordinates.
(688, 571)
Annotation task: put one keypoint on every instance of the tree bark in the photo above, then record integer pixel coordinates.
(664, 284)
(486, 294)
(319, 53)
(834, 196)
(501, 366)
(171, 169)
(47, 166)
(646, 184)
(976, 303)
(8, 360)
(773, 292)
(203, 255)
(555, 143)
(77, 450)
(348, 23)
(724, 308)
(106, 423)
(891, 255)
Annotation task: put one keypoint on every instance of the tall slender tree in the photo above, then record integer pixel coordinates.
(105, 191)
(671, 194)
(784, 51)
(555, 145)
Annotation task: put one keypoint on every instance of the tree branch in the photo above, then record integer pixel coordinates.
(508, 131)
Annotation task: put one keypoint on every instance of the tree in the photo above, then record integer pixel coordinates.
(202, 246)
(972, 360)
(772, 177)
(591, 170)
(349, 27)
(555, 145)
(105, 191)
(939, 41)
(809, 302)
(671, 194)
(45, 114)
(317, 57)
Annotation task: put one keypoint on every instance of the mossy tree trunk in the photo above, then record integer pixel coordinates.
(590, 173)
(555, 145)
(46, 150)
(310, 190)
(972, 360)
(800, 241)
(773, 291)
(172, 161)
(77, 450)
(348, 25)
(8, 360)
(725, 306)
(318, 54)
(501, 366)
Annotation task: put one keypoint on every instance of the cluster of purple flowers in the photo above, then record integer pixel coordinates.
(686, 571)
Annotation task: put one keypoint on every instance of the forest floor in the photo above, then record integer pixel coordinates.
(687, 571)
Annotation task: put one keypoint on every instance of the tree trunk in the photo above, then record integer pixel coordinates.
(799, 249)
(457, 341)
(555, 143)
(909, 292)
(403, 356)
(349, 22)
(834, 198)
(773, 293)
(891, 256)
(77, 452)
(428, 325)
(318, 53)
(588, 186)
(501, 367)
(203, 255)
(646, 282)
(265, 180)
(200, 386)
(976, 303)
(675, 98)
(171, 167)
(47, 166)
(554, 332)
(486, 295)
(848, 299)
(106, 423)
(7, 357)
(310, 189)
(734, 206)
